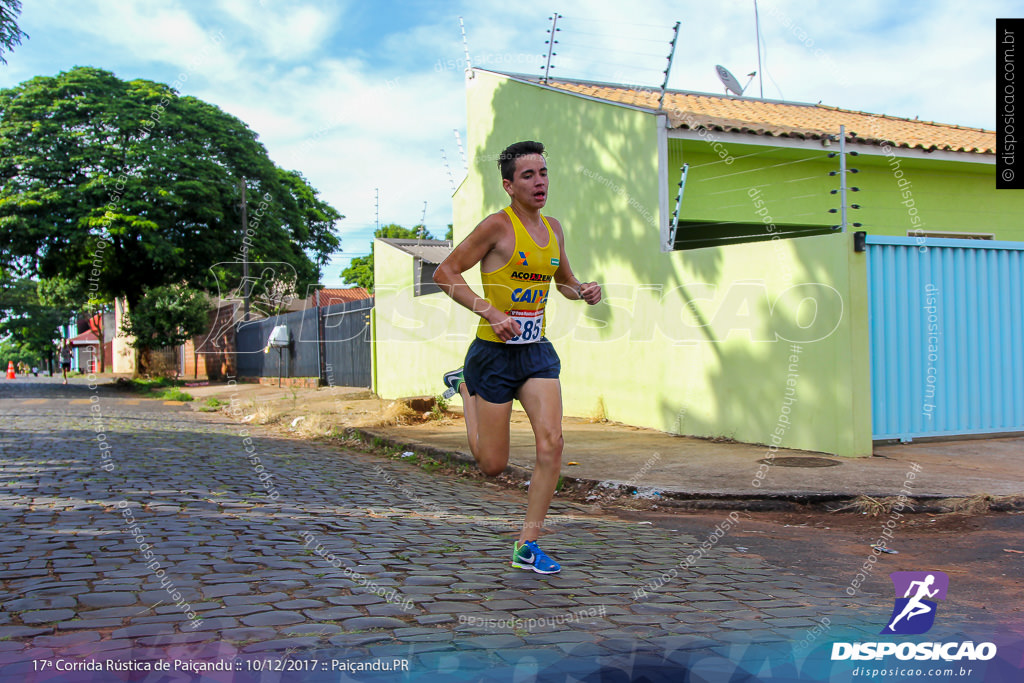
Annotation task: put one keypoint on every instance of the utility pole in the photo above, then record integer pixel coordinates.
(757, 26)
(246, 285)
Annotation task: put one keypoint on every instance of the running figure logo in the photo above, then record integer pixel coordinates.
(914, 612)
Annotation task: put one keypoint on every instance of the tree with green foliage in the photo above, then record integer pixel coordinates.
(10, 33)
(360, 269)
(127, 186)
(31, 315)
(167, 316)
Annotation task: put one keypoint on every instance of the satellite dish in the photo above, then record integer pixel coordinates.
(729, 81)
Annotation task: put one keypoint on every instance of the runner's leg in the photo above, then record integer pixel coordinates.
(542, 401)
(487, 428)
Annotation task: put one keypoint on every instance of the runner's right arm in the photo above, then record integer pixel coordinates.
(471, 251)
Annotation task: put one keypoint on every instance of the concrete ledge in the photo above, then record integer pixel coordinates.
(579, 487)
(304, 382)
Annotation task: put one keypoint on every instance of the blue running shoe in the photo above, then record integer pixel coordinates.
(453, 380)
(529, 556)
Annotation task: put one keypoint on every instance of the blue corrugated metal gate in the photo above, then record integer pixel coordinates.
(947, 345)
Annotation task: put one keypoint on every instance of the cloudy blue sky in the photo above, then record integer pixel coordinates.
(365, 95)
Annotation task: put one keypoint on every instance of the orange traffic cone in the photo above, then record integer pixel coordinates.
(10, 369)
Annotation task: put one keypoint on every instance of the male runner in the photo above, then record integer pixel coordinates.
(65, 360)
(519, 252)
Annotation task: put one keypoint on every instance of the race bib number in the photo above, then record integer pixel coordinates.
(530, 325)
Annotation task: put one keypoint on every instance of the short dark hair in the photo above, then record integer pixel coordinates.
(507, 160)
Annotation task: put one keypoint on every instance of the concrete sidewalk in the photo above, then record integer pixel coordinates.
(688, 472)
(685, 471)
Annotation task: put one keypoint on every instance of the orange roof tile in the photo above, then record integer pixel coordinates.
(87, 338)
(786, 119)
(329, 297)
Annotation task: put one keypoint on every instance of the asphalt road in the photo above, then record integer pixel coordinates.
(143, 541)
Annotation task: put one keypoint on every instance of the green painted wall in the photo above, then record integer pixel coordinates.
(690, 342)
(416, 338)
(896, 194)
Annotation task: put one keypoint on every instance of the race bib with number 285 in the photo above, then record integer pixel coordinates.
(531, 323)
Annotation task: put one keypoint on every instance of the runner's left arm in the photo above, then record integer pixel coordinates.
(567, 283)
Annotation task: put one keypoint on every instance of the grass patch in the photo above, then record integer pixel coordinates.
(174, 394)
(395, 413)
(264, 413)
(430, 465)
(212, 405)
(315, 426)
(158, 387)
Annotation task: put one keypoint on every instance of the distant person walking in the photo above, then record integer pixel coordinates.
(65, 361)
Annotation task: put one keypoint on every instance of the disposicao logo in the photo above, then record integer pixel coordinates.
(914, 613)
(915, 607)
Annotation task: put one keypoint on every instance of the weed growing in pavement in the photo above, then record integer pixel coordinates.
(866, 505)
(174, 394)
(160, 388)
(212, 405)
(263, 413)
(315, 426)
(440, 409)
(430, 465)
(975, 504)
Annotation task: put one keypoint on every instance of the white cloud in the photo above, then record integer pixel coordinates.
(140, 32)
(283, 31)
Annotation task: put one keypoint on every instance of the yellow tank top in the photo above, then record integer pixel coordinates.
(520, 287)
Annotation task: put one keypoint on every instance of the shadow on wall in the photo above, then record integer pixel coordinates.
(783, 371)
(604, 190)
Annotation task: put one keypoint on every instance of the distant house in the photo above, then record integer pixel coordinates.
(736, 305)
(328, 297)
(85, 349)
(424, 256)
(210, 355)
(87, 346)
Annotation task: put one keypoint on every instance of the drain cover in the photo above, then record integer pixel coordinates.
(786, 461)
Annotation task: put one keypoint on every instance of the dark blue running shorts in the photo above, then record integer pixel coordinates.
(495, 371)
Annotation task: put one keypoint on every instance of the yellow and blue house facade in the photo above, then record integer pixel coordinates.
(747, 314)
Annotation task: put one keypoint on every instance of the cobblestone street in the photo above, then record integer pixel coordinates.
(143, 532)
